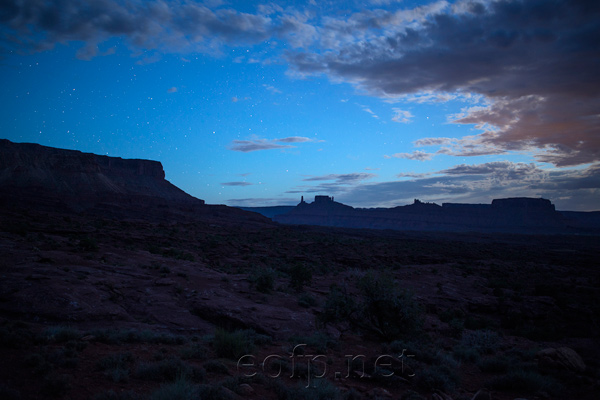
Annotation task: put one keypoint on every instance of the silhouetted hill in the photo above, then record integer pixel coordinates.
(516, 215)
(33, 176)
(269, 212)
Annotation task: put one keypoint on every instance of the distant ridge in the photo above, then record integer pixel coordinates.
(511, 215)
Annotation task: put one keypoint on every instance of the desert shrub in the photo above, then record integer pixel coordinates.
(412, 395)
(319, 341)
(87, 243)
(112, 395)
(339, 305)
(387, 310)
(213, 392)
(56, 385)
(263, 280)
(233, 345)
(110, 336)
(60, 334)
(495, 365)
(7, 393)
(524, 381)
(306, 300)
(168, 371)
(320, 389)
(194, 352)
(464, 353)
(216, 367)
(178, 254)
(116, 366)
(300, 275)
(484, 341)
(437, 378)
(178, 390)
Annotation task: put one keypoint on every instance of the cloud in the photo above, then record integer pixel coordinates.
(342, 179)
(168, 26)
(533, 64)
(332, 183)
(402, 116)
(237, 184)
(369, 111)
(415, 155)
(255, 144)
(272, 89)
(434, 142)
(295, 139)
(569, 189)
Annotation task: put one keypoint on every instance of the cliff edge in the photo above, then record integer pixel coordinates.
(32, 175)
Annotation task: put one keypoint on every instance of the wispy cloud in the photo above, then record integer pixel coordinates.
(402, 116)
(255, 144)
(343, 179)
(237, 184)
(272, 89)
(415, 155)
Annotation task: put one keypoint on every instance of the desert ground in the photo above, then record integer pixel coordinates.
(93, 307)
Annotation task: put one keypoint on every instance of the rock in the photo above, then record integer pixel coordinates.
(245, 390)
(482, 394)
(378, 393)
(563, 358)
(504, 215)
(438, 395)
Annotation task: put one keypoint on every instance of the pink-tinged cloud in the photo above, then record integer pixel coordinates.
(533, 63)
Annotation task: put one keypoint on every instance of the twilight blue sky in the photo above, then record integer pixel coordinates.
(374, 102)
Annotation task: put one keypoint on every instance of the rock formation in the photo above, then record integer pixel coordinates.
(517, 215)
(40, 176)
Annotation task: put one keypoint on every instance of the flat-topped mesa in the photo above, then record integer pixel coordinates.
(35, 175)
(523, 203)
(323, 199)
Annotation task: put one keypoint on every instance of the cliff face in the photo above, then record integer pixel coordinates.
(46, 176)
(518, 215)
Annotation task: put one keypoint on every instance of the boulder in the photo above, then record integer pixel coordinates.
(562, 358)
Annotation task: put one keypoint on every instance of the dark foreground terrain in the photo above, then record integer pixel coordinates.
(93, 307)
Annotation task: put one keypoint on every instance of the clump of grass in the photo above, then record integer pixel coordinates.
(263, 280)
(484, 341)
(7, 393)
(112, 395)
(181, 389)
(306, 300)
(168, 371)
(319, 341)
(216, 367)
(495, 365)
(437, 378)
(60, 334)
(467, 354)
(87, 243)
(56, 385)
(116, 366)
(110, 336)
(300, 275)
(194, 352)
(233, 345)
(524, 381)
